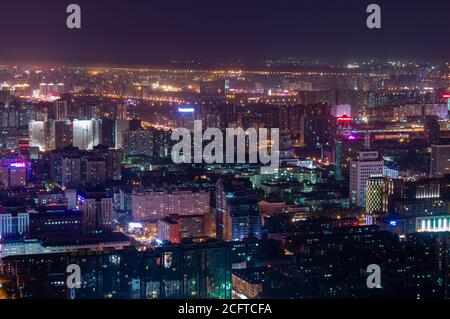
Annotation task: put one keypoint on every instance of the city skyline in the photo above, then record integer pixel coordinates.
(243, 151)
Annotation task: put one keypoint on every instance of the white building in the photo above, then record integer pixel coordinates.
(367, 165)
(40, 135)
(86, 134)
(14, 224)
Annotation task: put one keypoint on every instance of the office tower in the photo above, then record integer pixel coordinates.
(13, 174)
(95, 171)
(97, 211)
(71, 171)
(14, 223)
(86, 134)
(156, 205)
(365, 166)
(378, 191)
(237, 212)
(138, 143)
(440, 160)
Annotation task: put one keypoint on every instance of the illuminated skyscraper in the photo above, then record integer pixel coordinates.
(378, 190)
(365, 166)
(86, 134)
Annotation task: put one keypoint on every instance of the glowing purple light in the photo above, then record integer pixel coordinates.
(17, 165)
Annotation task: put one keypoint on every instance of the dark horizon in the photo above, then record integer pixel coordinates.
(138, 33)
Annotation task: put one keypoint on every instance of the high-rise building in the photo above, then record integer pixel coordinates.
(95, 171)
(71, 171)
(169, 230)
(378, 190)
(440, 160)
(61, 109)
(289, 117)
(13, 174)
(97, 210)
(120, 128)
(337, 159)
(61, 133)
(40, 135)
(108, 133)
(86, 134)
(317, 130)
(50, 135)
(156, 205)
(114, 164)
(237, 211)
(138, 143)
(365, 166)
(56, 158)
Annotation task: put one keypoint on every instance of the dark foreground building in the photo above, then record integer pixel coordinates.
(200, 269)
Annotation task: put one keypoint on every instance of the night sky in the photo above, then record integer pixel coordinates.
(147, 32)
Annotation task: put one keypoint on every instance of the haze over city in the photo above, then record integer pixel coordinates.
(225, 151)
